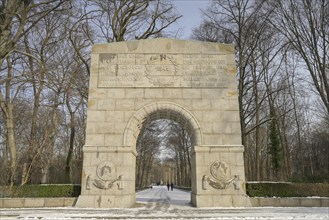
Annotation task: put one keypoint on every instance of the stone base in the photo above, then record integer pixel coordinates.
(105, 201)
(220, 200)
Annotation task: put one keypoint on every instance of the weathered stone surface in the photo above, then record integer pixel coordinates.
(309, 202)
(69, 202)
(222, 201)
(190, 82)
(269, 202)
(324, 202)
(50, 202)
(289, 202)
(86, 201)
(254, 202)
(220, 176)
(95, 139)
(13, 203)
(34, 202)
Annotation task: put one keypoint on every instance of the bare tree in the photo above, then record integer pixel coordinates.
(7, 107)
(305, 26)
(40, 55)
(74, 101)
(246, 24)
(180, 143)
(208, 31)
(133, 19)
(18, 17)
(147, 147)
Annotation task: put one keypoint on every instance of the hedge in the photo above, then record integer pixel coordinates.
(51, 190)
(254, 189)
(286, 189)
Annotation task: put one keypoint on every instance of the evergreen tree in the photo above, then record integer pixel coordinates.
(274, 148)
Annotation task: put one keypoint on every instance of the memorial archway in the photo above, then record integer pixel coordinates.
(190, 82)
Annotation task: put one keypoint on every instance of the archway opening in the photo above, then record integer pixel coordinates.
(163, 154)
(162, 111)
(163, 149)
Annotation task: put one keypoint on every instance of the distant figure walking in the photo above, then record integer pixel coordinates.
(172, 187)
(168, 186)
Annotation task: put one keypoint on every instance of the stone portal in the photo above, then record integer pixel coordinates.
(190, 82)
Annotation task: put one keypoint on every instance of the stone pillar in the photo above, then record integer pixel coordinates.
(218, 178)
(108, 178)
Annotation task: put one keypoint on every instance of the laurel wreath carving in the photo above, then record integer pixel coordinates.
(159, 81)
(104, 184)
(219, 184)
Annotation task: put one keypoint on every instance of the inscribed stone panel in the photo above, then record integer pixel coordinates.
(162, 70)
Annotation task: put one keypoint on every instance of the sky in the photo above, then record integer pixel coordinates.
(190, 9)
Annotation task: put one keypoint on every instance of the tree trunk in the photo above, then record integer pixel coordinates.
(69, 159)
(11, 144)
(37, 84)
(45, 174)
(8, 108)
(257, 121)
(299, 140)
(285, 150)
(50, 136)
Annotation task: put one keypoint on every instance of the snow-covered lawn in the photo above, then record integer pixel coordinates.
(159, 203)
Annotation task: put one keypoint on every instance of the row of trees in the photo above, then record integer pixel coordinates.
(43, 92)
(283, 81)
(163, 154)
(282, 62)
(45, 48)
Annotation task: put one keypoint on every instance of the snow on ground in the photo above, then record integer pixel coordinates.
(159, 203)
(160, 194)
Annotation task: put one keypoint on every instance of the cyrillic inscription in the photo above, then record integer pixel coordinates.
(162, 70)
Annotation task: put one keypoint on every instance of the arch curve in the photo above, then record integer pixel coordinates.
(161, 110)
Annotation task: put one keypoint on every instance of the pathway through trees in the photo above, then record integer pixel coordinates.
(161, 198)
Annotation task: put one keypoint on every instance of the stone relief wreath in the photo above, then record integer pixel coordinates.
(162, 70)
(105, 179)
(220, 172)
